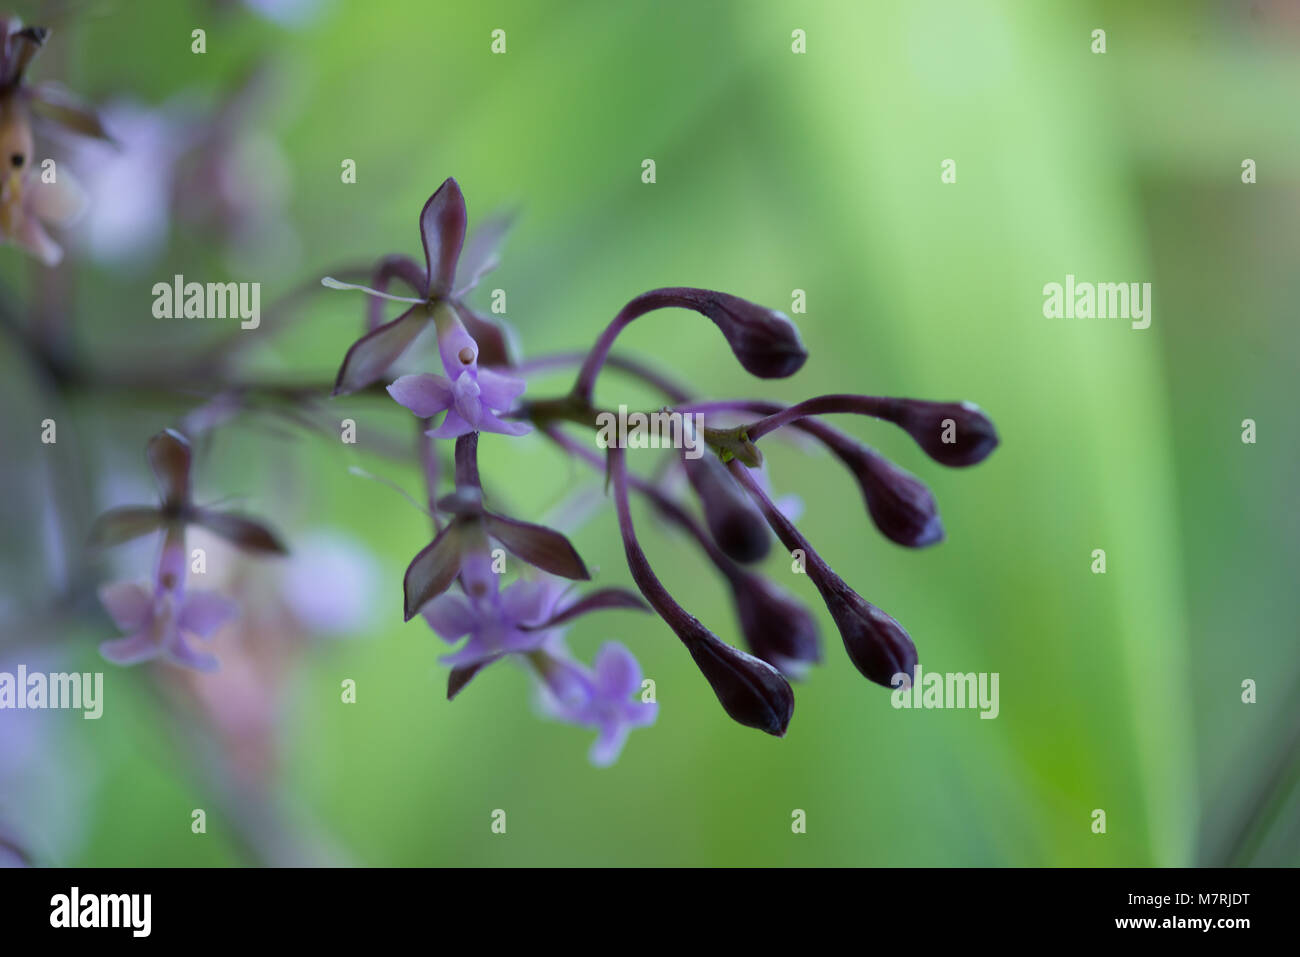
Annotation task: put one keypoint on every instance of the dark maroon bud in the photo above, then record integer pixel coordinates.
(877, 644)
(750, 690)
(776, 626)
(899, 503)
(250, 535)
(733, 521)
(538, 545)
(952, 433)
(170, 457)
(764, 340)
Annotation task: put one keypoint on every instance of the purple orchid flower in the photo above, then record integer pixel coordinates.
(474, 397)
(494, 621)
(598, 697)
(162, 618)
(461, 549)
(468, 400)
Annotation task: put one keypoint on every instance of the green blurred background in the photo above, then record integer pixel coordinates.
(775, 172)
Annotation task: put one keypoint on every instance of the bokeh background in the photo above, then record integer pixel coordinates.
(775, 172)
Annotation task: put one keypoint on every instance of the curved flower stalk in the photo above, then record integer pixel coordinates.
(162, 618)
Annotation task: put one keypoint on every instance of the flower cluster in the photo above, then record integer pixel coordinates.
(454, 585)
(455, 582)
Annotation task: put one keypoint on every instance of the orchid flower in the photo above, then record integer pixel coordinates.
(472, 397)
(162, 618)
(598, 697)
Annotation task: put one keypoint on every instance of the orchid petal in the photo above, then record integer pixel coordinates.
(432, 570)
(461, 676)
(120, 525)
(452, 427)
(489, 422)
(66, 109)
(179, 652)
(450, 616)
(204, 612)
(170, 458)
(609, 744)
(371, 356)
(425, 394)
(472, 654)
(618, 673)
(498, 391)
(442, 230)
(239, 530)
(32, 237)
(525, 601)
(538, 545)
(128, 603)
(482, 254)
(131, 650)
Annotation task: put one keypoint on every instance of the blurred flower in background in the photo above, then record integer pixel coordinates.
(207, 168)
(324, 590)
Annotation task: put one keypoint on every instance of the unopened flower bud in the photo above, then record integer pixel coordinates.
(952, 433)
(899, 503)
(776, 626)
(764, 340)
(733, 521)
(877, 644)
(750, 690)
